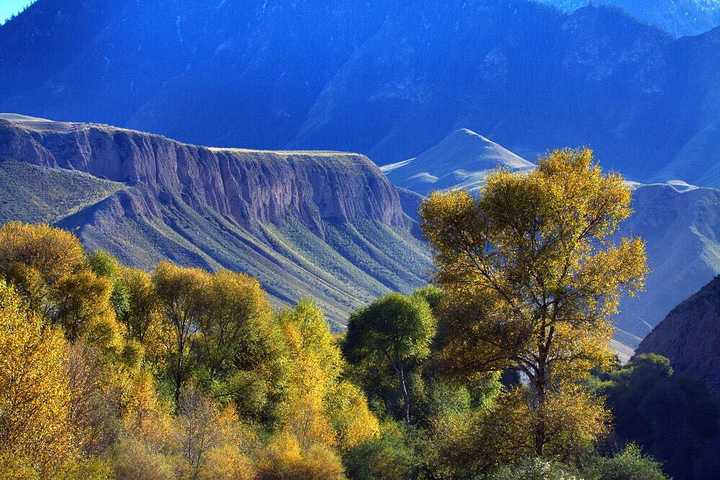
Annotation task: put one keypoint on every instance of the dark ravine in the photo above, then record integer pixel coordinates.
(321, 224)
(690, 337)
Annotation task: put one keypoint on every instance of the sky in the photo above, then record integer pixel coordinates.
(10, 7)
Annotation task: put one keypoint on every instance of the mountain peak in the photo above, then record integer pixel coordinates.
(463, 159)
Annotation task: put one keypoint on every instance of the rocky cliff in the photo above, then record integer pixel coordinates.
(690, 336)
(321, 224)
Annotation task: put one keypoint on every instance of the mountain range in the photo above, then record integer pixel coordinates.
(388, 78)
(326, 225)
(680, 223)
(677, 17)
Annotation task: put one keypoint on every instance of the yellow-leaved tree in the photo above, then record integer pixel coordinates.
(35, 431)
(321, 412)
(532, 275)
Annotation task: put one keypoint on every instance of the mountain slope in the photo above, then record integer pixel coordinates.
(681, 227)
(677, 17)
(320, 224)
(690, 337)
(462, 160)
(386, 78)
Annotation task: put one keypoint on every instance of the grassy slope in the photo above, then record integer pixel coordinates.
(46, 195)
(347, 267)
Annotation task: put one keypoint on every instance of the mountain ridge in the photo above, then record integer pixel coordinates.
(276, 215)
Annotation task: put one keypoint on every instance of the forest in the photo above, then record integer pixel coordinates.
(500, 369)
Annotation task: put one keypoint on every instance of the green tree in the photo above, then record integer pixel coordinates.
(629, 464)
(105, 265)
(531, 277)
(672, 417)
(394, 334)
(182, 295)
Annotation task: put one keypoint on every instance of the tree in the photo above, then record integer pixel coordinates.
(320, 408)
(34, 390)
(531, 274)
(393, 334)
(181, 292)
(143, 308)
(50, 269)
(629, 464)
(106, 266)
(239, 347)
(234, 324)
(672, 417)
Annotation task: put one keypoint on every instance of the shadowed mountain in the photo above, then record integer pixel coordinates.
(327, 225)
(690, 337)
(677, 17)
(681, 227)
(385, 78)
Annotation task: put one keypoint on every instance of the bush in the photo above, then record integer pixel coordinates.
(534, 469)
(134, 461)
(388, 457)
(630, 464)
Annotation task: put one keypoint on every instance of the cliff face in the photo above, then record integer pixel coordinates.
(307, 223)
(690, 336)
(248, 186)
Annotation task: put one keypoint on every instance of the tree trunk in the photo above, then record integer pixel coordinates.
(540, 426)
(179, 373)
(406, 396)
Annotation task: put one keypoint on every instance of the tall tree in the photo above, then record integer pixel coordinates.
(392, 334)
(50, 269)
(181, 292)
(532, 276)
(34, 391)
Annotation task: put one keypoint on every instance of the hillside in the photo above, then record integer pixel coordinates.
(321, 224)
(47, 195)
(690, 336)
(681, 227)
(388, 79)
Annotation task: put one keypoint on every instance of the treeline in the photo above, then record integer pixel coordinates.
(502, 370)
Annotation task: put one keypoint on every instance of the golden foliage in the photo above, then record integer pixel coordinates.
(320, 408)
(351, 418)
(34, 390)
(285, 459)
(532, 276)
(50, 268)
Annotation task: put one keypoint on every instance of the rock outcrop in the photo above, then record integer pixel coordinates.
(690, 337)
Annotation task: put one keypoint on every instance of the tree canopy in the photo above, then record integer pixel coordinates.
(531, 275)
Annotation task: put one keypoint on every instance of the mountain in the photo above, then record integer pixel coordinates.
(680, 223)
(677, 17)
(462, 160)
(387, 78)
(690, 337)
(321, 224)
(681, 227)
